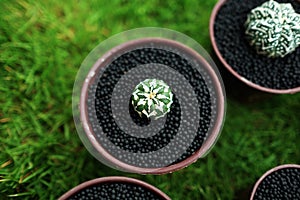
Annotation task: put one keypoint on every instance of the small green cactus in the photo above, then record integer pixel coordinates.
(153, 98)
(273, 29)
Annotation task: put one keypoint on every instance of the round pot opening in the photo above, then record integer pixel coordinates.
(159, 146)
(227, 33)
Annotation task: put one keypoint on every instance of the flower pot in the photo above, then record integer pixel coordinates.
(281, 182)
(227, 33)
(114, 188)
(119, 137)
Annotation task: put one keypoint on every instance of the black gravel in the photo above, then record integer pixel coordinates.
(127, 61)
(115, 191)
(274, 73)
(283, 184)
(133, 144)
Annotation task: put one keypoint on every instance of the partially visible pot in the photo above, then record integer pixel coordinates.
(227, 34)
(281, 182)
(114, 187)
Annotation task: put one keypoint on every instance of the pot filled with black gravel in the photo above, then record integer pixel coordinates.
(258, 42)
(281, 182)
(148, 103)
(116, 188)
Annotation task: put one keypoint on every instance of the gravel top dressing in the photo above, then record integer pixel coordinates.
(127, 142)
(274, 73)
(282, 184)
(115, 191)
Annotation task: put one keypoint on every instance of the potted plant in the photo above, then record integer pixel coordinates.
(258, 42)
(281, 182)
(149, 104)
(114, 187)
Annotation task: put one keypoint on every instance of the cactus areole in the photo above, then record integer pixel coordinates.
(152, 98)
(273, 29)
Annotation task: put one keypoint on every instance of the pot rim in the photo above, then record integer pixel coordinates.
(268, 173)
(208, 143)
(113, 179)
(215, 11)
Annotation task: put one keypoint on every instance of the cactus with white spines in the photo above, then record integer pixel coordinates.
(273, 29)
(152, 98)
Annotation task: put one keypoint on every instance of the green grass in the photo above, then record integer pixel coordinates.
(41, 156)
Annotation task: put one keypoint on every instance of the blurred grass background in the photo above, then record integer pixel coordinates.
(42, 44)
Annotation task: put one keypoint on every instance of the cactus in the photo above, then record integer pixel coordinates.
(273, 29)
(152, 98)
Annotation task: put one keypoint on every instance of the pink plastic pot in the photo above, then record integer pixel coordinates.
(100, 150)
